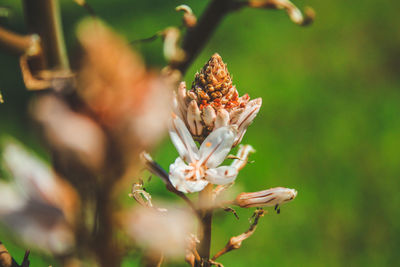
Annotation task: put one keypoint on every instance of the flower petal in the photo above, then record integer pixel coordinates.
(221, 175)
(222, 118)
(178, 176)
(235, 114)
(209, 116)
(247, 117)
(182, 140)
(182, 99)
(242, 156)
(177, 109)
(216, 146)
(32, 176)
(194, 118)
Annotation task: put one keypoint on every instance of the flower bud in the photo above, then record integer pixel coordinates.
(266, 198)
(213, 102)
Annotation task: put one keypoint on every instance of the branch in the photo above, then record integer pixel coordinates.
(43, 18)
(197, 37)
(156, 169)
(19, 44)
(236, 241)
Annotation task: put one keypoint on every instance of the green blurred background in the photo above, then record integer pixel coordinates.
(329, 125)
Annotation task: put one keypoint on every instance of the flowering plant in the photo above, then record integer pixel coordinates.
(97, 119)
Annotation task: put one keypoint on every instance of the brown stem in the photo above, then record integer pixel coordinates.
(236, 241)
(19, 44)
(107, 249)
(43, 18)
(205, 199)
(156, 169)
(197, 37)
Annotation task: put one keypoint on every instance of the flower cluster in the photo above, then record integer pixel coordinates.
(214, 102)
(212, 113)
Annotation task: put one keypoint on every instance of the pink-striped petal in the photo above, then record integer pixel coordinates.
(182, 140)
(221, 175)
(216, 146)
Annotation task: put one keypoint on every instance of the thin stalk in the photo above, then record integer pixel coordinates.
(196, 37)
(43, 17)
(205, 198)
(19, 44)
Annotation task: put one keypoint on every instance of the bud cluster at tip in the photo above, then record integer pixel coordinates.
(213, 102)
(213, 85)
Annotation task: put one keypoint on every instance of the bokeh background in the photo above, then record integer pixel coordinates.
(329, 125)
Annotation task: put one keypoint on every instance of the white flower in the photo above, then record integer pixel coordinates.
(37, 205)
(196, 168)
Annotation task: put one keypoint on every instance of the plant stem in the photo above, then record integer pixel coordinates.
(205, 198)
(43, 18)
(197, 37)
(16, 43)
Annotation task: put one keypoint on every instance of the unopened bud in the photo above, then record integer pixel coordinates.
(189, 19)
(266, 198)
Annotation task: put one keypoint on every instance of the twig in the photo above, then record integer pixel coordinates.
(156, 169)
(189, 19)
(294, 13)
(236, 241)
(86, 6)
(197, 37)
(19, 44)
(25, 261)
(43, 18)
(148, 39)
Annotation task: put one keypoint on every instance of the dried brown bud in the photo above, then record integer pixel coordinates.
(189, 19)
(213, 81)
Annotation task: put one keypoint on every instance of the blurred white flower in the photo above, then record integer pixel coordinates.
(37, 205)
(196, 168)
(164, 232)
(70, 132)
